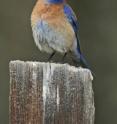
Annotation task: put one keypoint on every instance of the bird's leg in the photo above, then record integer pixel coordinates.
(50, 57)
(63, 57)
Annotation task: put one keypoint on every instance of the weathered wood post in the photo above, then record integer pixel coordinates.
(48, 93)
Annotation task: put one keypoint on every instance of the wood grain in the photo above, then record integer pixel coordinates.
(49, 93)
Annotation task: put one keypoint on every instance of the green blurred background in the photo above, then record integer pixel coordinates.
(98, 35)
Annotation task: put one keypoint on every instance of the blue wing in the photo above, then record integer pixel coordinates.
(74, 22)
(71, 17)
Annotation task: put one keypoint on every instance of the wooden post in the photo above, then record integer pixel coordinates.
(49, 93)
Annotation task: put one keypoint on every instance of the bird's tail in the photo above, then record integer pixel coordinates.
(83, 61)
(81, 57)
(85, 64)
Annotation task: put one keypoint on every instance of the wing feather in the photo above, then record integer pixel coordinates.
(73, 21)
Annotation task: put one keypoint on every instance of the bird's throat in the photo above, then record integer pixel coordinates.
(55, 1)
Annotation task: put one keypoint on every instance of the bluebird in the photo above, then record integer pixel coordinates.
(55, 29)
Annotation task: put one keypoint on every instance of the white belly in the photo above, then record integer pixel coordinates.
(48, 39)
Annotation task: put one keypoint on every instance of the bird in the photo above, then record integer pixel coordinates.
(55, 29)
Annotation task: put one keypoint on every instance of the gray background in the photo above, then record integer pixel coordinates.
(98, 35)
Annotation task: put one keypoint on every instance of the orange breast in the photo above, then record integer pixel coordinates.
(55, 18)
(46, 12)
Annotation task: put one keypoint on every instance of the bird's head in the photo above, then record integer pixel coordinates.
(56, 1)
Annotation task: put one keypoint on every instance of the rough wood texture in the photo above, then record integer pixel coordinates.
(44, 93)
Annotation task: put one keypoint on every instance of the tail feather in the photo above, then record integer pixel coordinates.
(84, 62)
(78, 52)
(80, 56)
